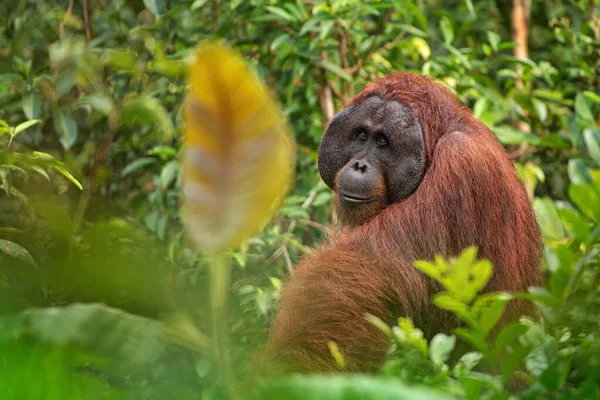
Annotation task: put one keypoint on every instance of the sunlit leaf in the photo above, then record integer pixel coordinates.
(440, 348)
(238, 159)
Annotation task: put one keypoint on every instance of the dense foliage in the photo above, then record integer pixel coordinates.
(101, 296)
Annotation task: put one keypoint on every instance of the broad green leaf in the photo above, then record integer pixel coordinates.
(97, 327)
(169, 173)
(21, 127)
(508, 335)
(575, 223)
(238, 157)
(554, 377)
(489, 314)
(16, 251)
(592, 96)
(583, 110)
(579, 173)
(31, 106)
(548, 218)
(440, 348)
(155, 6)
(147, 111)
(447, 302)
(65, 83)
(509, 135)
(346, 387)
(591, 137)
(137, 165)
(540, 109)
(120, 60)
(562, 274)
(494, 39)
(447, 30)
(467, 362)
(421, 46)
(335, 69)
(101, 103)
(586, 198)
(66, 127)
(284, 15)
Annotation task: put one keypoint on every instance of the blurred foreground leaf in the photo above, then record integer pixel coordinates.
(239, 155)
(345, 388)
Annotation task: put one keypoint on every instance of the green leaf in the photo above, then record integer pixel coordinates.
(346, 387)
(31, 106)
(489, 313)
(98, 102)
(447, 302)
(586, 199)
(575, 223)
(583, 110)
(508, 335)
(540, 109)
(467, 362)
(68, 175)
(494, 39)
(120, 60)
(514, 359)
(97, 327)
(16, 251)
(24, 125)
(561, 276)
(137, 165)
(579, 173)
(509, 135)
(148, 111)
(555, 376)
(241, 258)
(65, 82)
(169, 173)
(592, 96)
(335, 69)
(284, 15)
(591, 137)
(447, 30)
(421, 46)
(378, 322)
(548, 219)
(440, 348)
(66, 127)
(157, 7)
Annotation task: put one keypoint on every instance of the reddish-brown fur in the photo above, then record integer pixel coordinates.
(470, 195)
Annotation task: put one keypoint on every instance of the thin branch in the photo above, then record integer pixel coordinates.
(61, 26)
(288, 260)
(336, 92)
(312, 224)
(86, 20)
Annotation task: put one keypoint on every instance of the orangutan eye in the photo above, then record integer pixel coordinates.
(382, 142)
(362, 136)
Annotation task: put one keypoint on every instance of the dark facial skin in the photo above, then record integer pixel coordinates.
(372, 155)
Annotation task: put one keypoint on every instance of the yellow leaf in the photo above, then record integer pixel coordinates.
(238, 158)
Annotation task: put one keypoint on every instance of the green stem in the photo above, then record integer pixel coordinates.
(220, 266)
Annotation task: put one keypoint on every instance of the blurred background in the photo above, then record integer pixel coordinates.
(92, 255)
